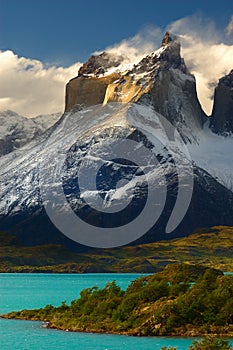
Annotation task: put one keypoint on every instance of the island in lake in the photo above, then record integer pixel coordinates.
(183, 299)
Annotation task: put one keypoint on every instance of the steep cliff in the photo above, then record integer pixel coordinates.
(89, 87)
(221, 121)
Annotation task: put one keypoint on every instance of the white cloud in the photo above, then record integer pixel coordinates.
(29, 88)
(208, 62)
(229, 28)
(138, 46)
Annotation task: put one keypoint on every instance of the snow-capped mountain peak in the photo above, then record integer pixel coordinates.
(149, 113)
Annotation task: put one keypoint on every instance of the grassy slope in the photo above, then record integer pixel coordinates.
(211, 247)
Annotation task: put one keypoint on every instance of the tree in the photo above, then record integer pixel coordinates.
(210, 343)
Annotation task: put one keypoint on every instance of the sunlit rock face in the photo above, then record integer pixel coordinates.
(89, 87)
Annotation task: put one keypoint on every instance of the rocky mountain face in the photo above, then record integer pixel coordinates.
(16, 130)
(92, 81)
(160, 79)
(222, 117)
(95, 159)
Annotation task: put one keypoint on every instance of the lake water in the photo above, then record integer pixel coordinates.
(19, 291)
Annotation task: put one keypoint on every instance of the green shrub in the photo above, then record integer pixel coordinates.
(210, 343)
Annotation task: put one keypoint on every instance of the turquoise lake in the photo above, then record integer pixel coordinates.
(19, 291)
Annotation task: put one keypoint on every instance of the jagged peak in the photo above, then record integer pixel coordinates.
(167, 56)
(99, 64)
(110, 72)
(169, 38)
(104, 63)
(171, 53)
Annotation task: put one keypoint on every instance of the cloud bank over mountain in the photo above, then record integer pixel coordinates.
(30, 87)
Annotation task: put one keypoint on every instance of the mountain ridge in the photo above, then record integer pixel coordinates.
(166, 91)
(17, 130)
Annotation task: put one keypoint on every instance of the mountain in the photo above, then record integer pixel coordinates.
(222, 116)
(133, 156)
(161, 79)
(92, 80)
(45, 121)
(16, 130)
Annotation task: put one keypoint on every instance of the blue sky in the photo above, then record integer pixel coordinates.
(66, 31)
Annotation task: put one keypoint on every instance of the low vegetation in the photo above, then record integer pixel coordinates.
(183, 299)
(211, 247)
(208, 343)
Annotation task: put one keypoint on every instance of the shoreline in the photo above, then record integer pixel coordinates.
(192, 333)
(175, 302)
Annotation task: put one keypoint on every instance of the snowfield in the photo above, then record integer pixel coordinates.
(214, 154)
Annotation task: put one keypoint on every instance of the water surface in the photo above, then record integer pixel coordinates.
(19, 291)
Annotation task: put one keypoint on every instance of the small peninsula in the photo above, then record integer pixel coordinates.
(182, 300)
